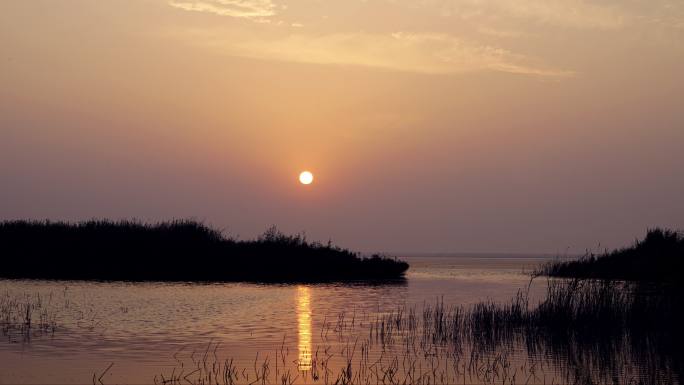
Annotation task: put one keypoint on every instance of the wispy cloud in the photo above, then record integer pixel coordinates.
(503, 33)
(249, 9)
(420, 53)
(566, 13)
(513, 36)
(577, 14)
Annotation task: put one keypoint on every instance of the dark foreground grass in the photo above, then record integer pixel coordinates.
(659, 257)
(582, 332)
(595, 331)
(175, 251)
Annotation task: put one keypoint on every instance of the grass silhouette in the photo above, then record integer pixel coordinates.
(659, 257)
(582, 332)
(181, 250)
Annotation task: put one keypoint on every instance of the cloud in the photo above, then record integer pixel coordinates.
(428, 53)
(566, 13)
(578, 14)
(249, 9)
(503, 33)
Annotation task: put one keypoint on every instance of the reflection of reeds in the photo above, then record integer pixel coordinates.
(582, 332)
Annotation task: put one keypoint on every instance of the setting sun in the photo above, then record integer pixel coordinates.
(306, 177)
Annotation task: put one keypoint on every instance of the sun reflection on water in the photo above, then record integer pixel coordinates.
(304, 327)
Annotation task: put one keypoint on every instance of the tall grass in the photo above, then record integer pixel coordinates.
(27, 316)
(582, 332)
(659, 257)
(175, 251)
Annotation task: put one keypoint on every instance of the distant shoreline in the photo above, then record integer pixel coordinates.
(183, 250)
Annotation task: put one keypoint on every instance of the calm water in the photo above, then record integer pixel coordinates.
(154, 329)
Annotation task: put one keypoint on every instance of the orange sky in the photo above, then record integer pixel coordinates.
(473, 125)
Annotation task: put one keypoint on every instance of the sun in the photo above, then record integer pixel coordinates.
(306, 177)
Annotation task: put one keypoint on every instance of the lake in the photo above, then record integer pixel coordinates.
(141, 333)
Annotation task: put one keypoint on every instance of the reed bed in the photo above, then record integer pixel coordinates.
(582, 332)
(27, 316)
(180, 250)
(658, 257)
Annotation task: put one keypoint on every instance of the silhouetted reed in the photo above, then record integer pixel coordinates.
(582, 332)
(659, 257)
(23, 317)
(175, 251)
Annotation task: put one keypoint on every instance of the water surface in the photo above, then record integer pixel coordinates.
(148, 329)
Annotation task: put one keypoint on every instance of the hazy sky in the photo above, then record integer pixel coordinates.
(431, 125)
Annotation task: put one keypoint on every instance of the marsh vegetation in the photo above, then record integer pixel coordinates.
(613, 318)
(176, 251)
(583, 332)
(26, 316)
(659, 257)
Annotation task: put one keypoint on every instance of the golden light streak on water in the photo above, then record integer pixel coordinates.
(304, 327)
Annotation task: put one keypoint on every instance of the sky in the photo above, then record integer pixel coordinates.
(524, 126)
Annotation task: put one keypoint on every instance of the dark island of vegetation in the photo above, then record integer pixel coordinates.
(176, 251)
(659, 257)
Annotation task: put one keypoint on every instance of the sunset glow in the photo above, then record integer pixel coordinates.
(432, 117)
